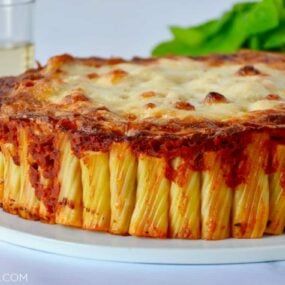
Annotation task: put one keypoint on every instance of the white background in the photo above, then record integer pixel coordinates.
(114, 27)
(122, 28)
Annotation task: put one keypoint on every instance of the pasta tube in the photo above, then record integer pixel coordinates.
(28, 202)
(276, 220)
(96, 191)
(216, 198)
(1, 177)
(251, 197)
(185, 202)
(69, 206)
(12, 180)
(150, 216)
(123, 170)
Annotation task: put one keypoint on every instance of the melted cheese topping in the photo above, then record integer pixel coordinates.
(153, 89)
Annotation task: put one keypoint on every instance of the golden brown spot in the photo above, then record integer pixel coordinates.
(150, 105)
(92, 75)
(144, 61)
(158, 114)
(57, 62)
(77, 95)
(148, 94)
(272, 97)
(248, 70)
(117, 75)
(182, 105)
(58, 73)
(115, 60)
(214, 98)
(131, 117)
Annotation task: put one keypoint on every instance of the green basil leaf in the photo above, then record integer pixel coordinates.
(196, 35)
(262, 17)
(255, 25)
(254, 43)
(242, 7)
(275, 38)
(171, 47)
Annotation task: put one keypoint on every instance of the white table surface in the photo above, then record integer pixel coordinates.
(44, 268)
(124, 28)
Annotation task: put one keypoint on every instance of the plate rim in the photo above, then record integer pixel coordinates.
(13, 230)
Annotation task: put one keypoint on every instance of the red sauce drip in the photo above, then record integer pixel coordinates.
(45, 161)
(234, 161)
(282, 180)
(193, 161)
(98, 142)
(277, 137)
(44, 152)
(9, 134)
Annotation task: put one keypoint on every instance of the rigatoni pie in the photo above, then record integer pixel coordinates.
(172, 147)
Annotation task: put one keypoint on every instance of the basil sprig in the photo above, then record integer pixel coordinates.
(250, 25)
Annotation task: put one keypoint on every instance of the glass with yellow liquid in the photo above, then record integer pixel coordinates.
(16, 36)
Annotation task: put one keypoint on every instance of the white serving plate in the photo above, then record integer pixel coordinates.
(101, 246)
